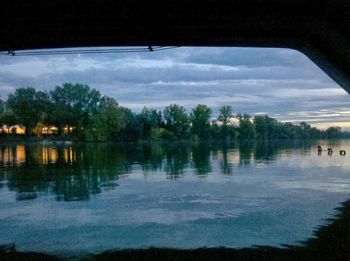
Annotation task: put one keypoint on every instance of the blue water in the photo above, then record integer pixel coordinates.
(87, 199)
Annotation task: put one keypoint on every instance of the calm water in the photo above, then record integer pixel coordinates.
(90, 198)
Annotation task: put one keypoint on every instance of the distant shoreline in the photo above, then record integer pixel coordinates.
(60, 141)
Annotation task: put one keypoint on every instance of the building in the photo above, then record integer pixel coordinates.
(14, 129)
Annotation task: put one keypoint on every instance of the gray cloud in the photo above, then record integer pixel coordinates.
(280, 82)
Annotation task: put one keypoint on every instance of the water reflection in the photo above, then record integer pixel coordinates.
(50, 155)
(78, 172)
(177, 157)
(68, 173)
(12, 155)
(202, 194)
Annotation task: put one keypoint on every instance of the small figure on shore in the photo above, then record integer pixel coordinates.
(319, 150)
(342, 152)
(330, 151)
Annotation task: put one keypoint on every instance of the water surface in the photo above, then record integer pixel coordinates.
(79, 199)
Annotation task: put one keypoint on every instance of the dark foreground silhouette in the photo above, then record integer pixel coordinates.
(330, 242)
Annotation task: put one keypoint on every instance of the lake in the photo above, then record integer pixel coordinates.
(88, 198)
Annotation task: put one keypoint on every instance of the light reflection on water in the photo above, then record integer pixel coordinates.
(94, 197)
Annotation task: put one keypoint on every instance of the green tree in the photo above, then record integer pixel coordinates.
(246, 127)
(1, 115)
(106, 121)
(29, 106)
(176, 120)
(200, 120)
(2, 106)
(261, 127)
(72, 105)
(216, 131)
(316, 133)
(132, 126)
(289, 131)
(150, 119)
(304, 130)
(225, 113)
(8, 119)
(333, 132)
(267, 127)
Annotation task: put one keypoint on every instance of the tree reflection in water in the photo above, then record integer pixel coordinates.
(81, 171)
(177, 158)
(70, 173)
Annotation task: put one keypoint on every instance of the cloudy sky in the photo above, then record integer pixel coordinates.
(282, 83)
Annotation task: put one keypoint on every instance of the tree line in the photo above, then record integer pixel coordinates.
(81, 113)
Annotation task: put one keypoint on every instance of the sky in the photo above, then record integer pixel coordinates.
(281, 83)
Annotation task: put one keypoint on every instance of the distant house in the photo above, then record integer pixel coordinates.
(40, 129)
(49, 130)
(14, 129)
(233, 121)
